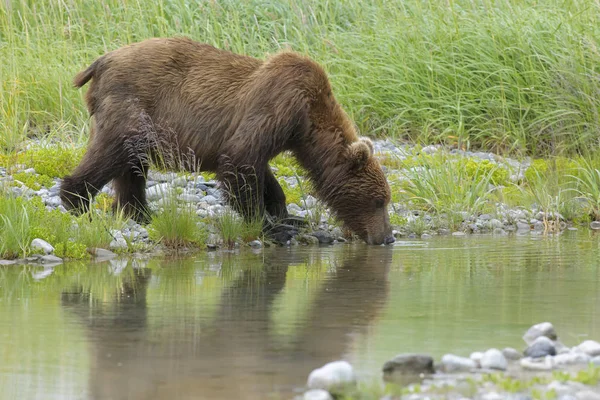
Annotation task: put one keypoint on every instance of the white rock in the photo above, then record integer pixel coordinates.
(454, 363)
(158, 191)
(494, 359)
(317, 394)
(511, 354)
(571, 358)
(210, 200)
(332, 377)
(540, 364)
(42, 245)
(476, 356)
(541, 329)
(588, 395)
(310, 201)
(596, 361)
(590, 347)
(118, 243)
(492, 396)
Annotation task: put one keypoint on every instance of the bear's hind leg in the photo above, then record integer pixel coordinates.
(274, 197)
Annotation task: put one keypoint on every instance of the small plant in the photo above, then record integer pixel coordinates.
(32, 181)
(15, 227)
(588, 188)
(176, 224)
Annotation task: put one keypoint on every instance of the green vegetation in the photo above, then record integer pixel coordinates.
(23, 220)
(233, 229)
(514, 77)
(176, 224)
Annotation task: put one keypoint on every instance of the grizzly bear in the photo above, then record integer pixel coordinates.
(205, 109)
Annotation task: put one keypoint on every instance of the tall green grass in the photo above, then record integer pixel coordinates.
(504, 75)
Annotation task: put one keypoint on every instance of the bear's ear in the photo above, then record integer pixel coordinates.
(368, 142)
(359, 153)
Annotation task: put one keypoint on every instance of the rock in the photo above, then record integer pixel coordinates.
(7, 262)
(307, 239)
(317, 394)
(492, 396)
(309, 201)
(523, 226)
(118, 243)
(255, 244)
(590, 347)
(476, 356)
(499, 232)
(452, 363)
(587, 395)
(495, 223)
(42, 245)
(158, 191)
(53, 201)
(571, 359)
(559, 388)
(459, 234)
(50, 259)
(333, 377)
(494, 359)
(539, 364)
(595, 225)
(179, 182)
(101, 253)
(323, 237)
(541, 329)
(596, 361)
(511, 354)
(408, 364)
(190, 198)
(541, 347)
(210, 200)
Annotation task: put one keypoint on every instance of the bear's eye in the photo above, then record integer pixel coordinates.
(379, 203)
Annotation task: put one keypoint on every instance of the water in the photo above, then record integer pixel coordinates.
(253, 326)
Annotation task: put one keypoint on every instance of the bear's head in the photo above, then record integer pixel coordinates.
(362, 194)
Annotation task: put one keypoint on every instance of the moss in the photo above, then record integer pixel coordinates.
(33, 181)
(476, 169)
(52, 162)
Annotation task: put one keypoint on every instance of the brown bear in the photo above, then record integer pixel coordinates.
(205, 109)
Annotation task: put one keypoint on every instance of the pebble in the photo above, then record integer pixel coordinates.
(542, 329)
(333, 377)
(255, 244)
(317, 394)
(541, 347)
(452, 363)
(210, 200)
(158, 191)
(53, 201)
(118, 244)
(493, 359)
(42, 245)
(588, 395)
(523, 226)
(596, 361)
(595, 225)
(459, 234)
(476, 356)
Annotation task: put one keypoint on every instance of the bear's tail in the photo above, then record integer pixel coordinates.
(84, 76)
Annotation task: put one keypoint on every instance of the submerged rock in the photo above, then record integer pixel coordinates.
(101, 253)
(542, 329)
(332, 377)
(50, 259)
(408, 364)
(541, 347)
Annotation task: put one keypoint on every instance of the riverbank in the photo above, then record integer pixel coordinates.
(546, 369)
(435, 191)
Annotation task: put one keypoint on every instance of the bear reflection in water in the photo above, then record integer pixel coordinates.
(238, 353)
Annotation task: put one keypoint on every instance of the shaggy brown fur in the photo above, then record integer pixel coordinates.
(204, 109)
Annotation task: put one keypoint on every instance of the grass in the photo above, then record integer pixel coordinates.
(176, 224)
(517, 77)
